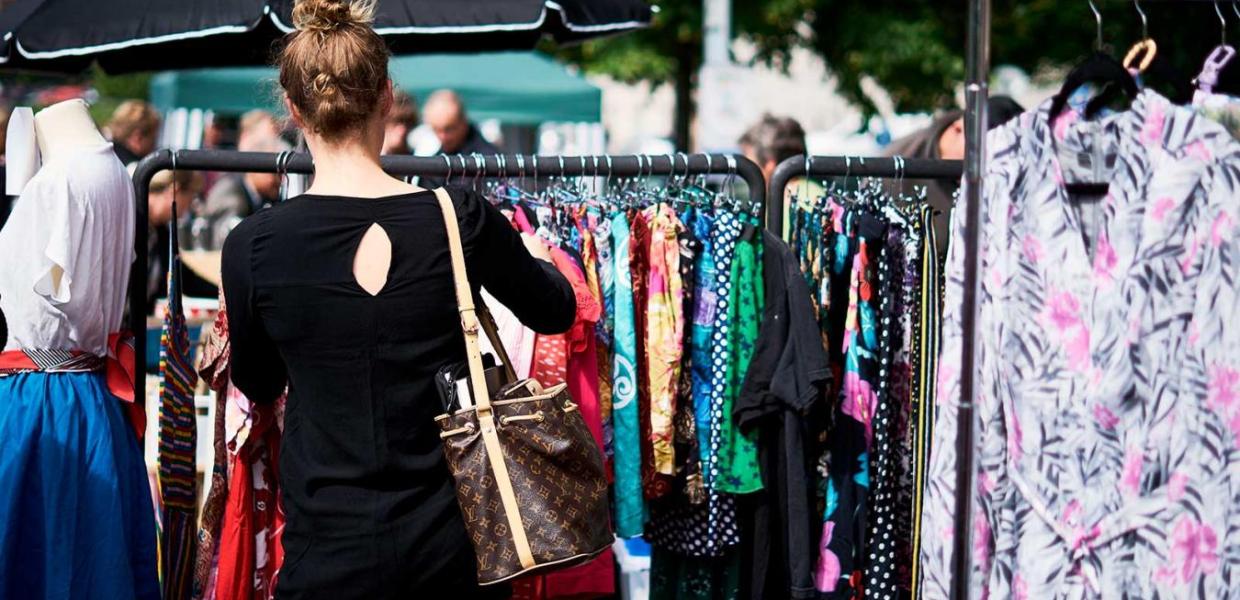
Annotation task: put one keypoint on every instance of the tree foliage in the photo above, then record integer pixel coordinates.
(650, 54)
(914, 49)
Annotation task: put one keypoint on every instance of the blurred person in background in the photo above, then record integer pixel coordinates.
(256, 125)
(400, 122)
(771, 141)
(446, 115)
(134, 129)
(944, 139)
(213, 136)
(184, 187)
(235, 197)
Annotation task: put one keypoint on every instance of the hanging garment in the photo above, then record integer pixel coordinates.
(630, 505)
(213, 369)
(604, 331)
(726, 236)
(75, 502)
(583, 366)
(178, 439)
(519, 341)
(688, 455)
(581, 369)
(240, 535)
(707, 298)
(926, 344)
(1221, 108)
(251, 549)
(597, 577)
(665, 324)
(847, 472)
(654, 484)
(1107, 361)
(887, 532)
(738, 456)
(782, 400)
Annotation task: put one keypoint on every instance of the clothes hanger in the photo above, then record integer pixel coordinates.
(1143, 52)
(1099, 68)
(1218, 59)
(1148, 66)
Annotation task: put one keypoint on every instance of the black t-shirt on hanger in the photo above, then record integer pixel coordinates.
(781, 398)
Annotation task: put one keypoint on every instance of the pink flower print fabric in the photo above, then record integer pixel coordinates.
(1108, 375)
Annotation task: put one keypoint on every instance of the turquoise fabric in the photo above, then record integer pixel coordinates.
(703, 323)
(629, 503)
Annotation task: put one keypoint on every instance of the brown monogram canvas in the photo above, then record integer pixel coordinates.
(529, 476)
(556, 472)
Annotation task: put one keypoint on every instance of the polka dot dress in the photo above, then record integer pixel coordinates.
(889, 508)
(727, 230)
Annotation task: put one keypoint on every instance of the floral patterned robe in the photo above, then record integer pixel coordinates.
(1108, 355)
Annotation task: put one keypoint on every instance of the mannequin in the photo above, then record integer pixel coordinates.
(64, 126)
(59, 129)
(68, 252)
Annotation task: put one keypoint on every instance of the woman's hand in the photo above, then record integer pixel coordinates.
(537, 248)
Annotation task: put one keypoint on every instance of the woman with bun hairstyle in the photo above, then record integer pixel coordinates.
(345, 295)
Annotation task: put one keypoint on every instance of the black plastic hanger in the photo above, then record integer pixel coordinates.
(1099, 68)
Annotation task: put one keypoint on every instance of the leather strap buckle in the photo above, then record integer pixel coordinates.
(469, 321)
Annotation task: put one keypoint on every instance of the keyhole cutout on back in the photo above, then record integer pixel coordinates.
(373, 260)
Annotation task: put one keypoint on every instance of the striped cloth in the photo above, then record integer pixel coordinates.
(177, 439)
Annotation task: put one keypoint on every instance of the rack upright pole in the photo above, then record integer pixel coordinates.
(978, 69)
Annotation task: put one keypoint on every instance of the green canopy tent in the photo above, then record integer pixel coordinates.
(511, 87)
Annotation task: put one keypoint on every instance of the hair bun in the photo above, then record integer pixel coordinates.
(329, 15)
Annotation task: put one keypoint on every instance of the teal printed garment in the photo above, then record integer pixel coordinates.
(629, 501)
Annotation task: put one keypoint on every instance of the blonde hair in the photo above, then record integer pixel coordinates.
(255, 119)
(333, 68)
(133, 116)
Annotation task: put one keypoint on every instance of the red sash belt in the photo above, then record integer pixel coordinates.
(118, 368)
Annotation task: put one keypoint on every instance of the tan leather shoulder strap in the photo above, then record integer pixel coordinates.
(465, 303)
(478, 315)
(482, 399)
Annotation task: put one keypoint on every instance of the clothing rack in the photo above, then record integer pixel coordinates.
(448, 167)
(851, 166)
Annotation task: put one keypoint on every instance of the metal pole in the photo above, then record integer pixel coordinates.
(978, 68)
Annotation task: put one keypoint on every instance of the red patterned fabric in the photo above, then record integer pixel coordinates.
(572, 357)
(250, 551)
(118, 368)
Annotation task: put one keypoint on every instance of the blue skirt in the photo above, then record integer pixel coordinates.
(75, 505)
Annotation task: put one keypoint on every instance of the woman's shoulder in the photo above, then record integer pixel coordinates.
(471, 209)
(241, 238)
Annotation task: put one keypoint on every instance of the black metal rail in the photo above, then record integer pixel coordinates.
(850, 166)
(476, 166)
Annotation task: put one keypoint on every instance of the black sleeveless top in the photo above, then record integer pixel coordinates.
(370, 508)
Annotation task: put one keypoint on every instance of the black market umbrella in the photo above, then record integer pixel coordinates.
(142, 35)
